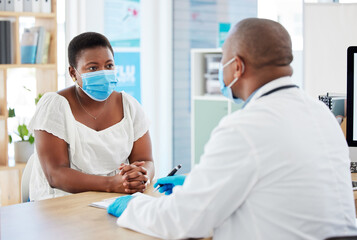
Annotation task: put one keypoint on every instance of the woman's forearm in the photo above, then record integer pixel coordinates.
(73, 181)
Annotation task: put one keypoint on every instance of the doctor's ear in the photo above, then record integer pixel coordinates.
(240, 69)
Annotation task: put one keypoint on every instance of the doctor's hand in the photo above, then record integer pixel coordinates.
(119, 205)
(134, 176)
(168, 183)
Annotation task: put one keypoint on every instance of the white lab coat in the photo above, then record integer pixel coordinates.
(278, 169)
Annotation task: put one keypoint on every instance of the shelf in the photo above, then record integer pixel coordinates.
(46, 66)
(45, 78)
(20, 166)
(27, 14)
(211, 98)
(206, 50)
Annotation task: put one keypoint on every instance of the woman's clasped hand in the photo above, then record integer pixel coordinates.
(134, 177)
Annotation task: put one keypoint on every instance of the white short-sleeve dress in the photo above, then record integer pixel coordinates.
(90, 151)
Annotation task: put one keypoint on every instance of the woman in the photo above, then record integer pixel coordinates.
(89, 137)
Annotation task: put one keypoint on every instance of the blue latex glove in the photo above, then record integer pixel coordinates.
(168, 183)
(119, 205)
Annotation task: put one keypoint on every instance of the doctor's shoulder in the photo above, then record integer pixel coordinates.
(250, 115)
(232, 119)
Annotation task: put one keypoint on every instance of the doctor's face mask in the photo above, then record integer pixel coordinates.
(227, 90)
(98, 85)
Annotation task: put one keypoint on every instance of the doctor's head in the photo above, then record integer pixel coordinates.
(255, 52)
(89, 52)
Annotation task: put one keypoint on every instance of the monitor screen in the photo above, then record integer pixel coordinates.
(351, 131)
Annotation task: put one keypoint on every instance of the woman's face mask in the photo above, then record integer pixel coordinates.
(227, 90)
(99, 85)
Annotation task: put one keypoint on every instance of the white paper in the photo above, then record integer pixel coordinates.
(104, 204)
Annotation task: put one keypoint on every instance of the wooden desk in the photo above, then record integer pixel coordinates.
(67, 217)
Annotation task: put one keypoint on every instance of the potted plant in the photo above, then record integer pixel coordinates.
(23, 148)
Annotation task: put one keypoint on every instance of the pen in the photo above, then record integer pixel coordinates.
(173, 171)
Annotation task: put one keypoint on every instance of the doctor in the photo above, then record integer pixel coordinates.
(277, 169)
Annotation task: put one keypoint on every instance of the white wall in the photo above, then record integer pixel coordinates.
(94, 16)
(328, 31)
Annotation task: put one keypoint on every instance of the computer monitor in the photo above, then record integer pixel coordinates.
(351, 128)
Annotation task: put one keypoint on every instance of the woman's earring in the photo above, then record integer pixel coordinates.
(73, 78)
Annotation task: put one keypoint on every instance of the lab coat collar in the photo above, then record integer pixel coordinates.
(269, 86)
(250, 97)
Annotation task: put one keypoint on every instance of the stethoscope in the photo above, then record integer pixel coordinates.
(279, 89)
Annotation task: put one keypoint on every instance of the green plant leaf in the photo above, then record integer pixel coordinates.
(11, 112)
(31, 139)
(10, 139)
(38, 98)
(22, 131)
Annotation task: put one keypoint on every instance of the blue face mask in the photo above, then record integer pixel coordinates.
(227, 90)
(99, 85)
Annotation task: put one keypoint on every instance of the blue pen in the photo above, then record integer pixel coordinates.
(173, 171)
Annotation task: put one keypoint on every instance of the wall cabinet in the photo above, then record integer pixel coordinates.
(207, 109)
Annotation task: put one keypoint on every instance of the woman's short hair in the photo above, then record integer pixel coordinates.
(84, 41)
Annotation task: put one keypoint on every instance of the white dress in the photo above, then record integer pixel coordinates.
(90, 151)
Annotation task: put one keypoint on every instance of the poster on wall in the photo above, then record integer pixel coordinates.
(127, 65)
(223, 30)
(122, 22)
(202, 32)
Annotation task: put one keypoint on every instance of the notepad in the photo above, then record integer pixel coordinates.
(104, 204)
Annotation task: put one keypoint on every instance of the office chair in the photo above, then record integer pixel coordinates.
(25, 181)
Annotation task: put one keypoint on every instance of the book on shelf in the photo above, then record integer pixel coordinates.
(46, 48)
(46, 6)
(2, 5)
(2, 43)
(27, 7)
(29, 46)
(6, 42)
(35, 45)
(36, 6)
(18, 5)
(10, 5)
(9, 42)
(40, 40)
